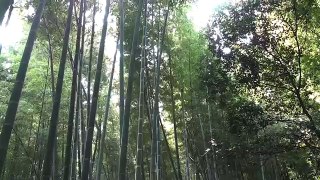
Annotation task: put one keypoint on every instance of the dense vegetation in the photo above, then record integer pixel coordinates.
(237, 100)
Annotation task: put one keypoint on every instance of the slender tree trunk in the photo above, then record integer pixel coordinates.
(81, 145)
(78, 117)
(121, 63)
(148, 109)
(95, 95)
(106, 115)
(262, 167)
(80, 132)
(147, 99)
(139, 154)
(205, 148)
(55, 156)
(79, 114)
(18, 85)
(68, 155)
(90, 59)
(215, 174)
(57, 98)
(173, 106)
(169, 151)
(55, 161)
(96, 149)
(156, 168)
(185, 137)
(153, 163)
(74, 150)
(50, 51)
(126, 115)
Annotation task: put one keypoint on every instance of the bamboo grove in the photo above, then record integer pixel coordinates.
(115, 89)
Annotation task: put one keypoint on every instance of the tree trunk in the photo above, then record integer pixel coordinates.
(121, 63)
(173, 106)
(126, 115)
(139, 155)
(77, 57)
(57, 98)
(95, 95)
(90, 59)
(156, 174)
(206, 153)
(262, 167)
(18, 85)
(169, 151)
(106, 115)
(185, 137)
(215, 174)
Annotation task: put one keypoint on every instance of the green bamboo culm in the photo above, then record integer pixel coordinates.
(121, 64)
(18, 85)
(105, 119)
(139, 155)
(46, 173)
(156, 142)
(95, 95)
(126, 115)
(68, 154)
(90, 58)
(173, 112)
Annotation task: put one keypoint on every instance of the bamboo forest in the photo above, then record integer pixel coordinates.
(160, 89)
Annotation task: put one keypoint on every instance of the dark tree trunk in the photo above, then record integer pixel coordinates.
(95, 95)
(173, 106)
(77, 57)
(121, 72)
(169, 151)
(155, 148)
(126, 116)
(90, 59)
(57, 98)
(18, 85)
(139, 154)
(106, 115)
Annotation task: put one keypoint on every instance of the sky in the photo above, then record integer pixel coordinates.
(12, 33)
(201, 11)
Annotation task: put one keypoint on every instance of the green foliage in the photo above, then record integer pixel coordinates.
(250, 84)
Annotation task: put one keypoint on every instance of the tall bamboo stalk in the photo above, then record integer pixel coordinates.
(185, 137)
(209, 174)
(95, 95)
(106, 116)
(18, 85)
(91, 58)
(174, 118)
(57, 98)
(121, 63)
(139, 154)
(77, 57)
(126, 116)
